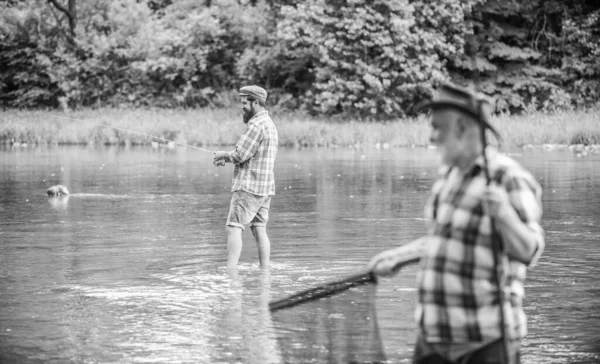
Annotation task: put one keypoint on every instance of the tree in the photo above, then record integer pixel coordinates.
(368, 58)
(70, 12)
(540, 54)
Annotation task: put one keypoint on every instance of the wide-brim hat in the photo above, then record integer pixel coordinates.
(450, 96)
(254, 91)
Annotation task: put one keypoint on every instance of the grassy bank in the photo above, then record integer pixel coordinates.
(210, 128)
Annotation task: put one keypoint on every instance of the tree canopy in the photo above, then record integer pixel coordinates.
(373, 59)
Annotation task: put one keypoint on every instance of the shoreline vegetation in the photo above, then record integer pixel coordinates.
(207, 128)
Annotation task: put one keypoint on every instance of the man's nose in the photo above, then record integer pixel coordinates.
(433, 137)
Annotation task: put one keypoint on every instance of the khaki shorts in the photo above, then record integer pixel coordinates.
(248, 209)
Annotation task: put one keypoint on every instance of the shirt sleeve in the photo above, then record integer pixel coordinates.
(247, 146)
(525, 196)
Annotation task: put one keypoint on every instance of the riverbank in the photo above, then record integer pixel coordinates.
(222, 127)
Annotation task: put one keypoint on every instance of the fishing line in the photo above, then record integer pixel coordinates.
(136, 132)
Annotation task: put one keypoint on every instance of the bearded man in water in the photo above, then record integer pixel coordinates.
(253, 181)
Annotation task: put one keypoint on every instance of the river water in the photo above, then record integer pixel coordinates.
(130, 267)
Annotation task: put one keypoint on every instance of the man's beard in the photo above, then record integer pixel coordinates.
(248, 115)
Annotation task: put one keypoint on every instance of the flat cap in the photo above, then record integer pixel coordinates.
(476, 105)
(254, 91)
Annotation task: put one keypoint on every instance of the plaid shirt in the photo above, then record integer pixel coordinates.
(458, 295)
(254, 157)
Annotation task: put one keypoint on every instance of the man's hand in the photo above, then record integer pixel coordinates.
(390, 261)
(521, 240)
(220, 158)
(495, 202)
(383, 263)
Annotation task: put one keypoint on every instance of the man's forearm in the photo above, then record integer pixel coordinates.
(237, 156)
(228, 157)
(520, 241)
(409, 251)
(390, 261)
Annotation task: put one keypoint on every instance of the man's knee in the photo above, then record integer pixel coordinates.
(231, 230)
(258, 230)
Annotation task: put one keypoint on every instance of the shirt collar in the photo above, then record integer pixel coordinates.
(478, 164)
(258, 115)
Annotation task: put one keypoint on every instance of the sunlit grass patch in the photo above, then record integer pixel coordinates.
(220, 127)
(560, 128)
(586, 137)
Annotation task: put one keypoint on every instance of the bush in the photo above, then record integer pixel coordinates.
(371, 59)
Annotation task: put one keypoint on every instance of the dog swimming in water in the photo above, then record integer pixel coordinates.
(58, 190)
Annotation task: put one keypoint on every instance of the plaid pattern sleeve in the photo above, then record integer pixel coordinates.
(254, 157)
(526, 198)
(458, 296)
(248, 144)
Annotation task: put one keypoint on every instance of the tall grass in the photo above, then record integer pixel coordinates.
(572, 127)
(220, 127)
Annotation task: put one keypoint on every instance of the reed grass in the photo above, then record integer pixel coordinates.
(221, 127)
(561, 128)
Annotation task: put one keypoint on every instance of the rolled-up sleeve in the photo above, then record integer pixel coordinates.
(247, 145)
(525, 195)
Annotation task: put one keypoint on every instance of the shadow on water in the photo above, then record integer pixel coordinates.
(130, 266)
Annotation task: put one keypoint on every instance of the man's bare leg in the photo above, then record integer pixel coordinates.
(234, 246)
(263, 244)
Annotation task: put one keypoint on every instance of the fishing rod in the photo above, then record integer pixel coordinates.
(497, 246)
(137, 132)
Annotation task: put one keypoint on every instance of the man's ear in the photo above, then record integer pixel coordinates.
(461, 125)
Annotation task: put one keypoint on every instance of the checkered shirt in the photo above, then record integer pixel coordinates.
(458, 295)
(254, 157)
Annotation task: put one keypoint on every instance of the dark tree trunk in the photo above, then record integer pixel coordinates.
(70, 12)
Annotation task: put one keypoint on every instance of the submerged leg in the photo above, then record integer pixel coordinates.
(263, 243)
(234, 246)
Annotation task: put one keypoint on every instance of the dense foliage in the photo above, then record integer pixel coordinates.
(368, 58)
(540, 54)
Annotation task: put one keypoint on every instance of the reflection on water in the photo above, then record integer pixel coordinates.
(59, 203)
(131, 266)
(342, 328)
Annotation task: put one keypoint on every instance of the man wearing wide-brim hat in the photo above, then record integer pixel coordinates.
(479, 238)
(253, 181)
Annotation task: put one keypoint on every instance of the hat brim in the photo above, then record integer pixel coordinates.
(257, 97)
(439, 105)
